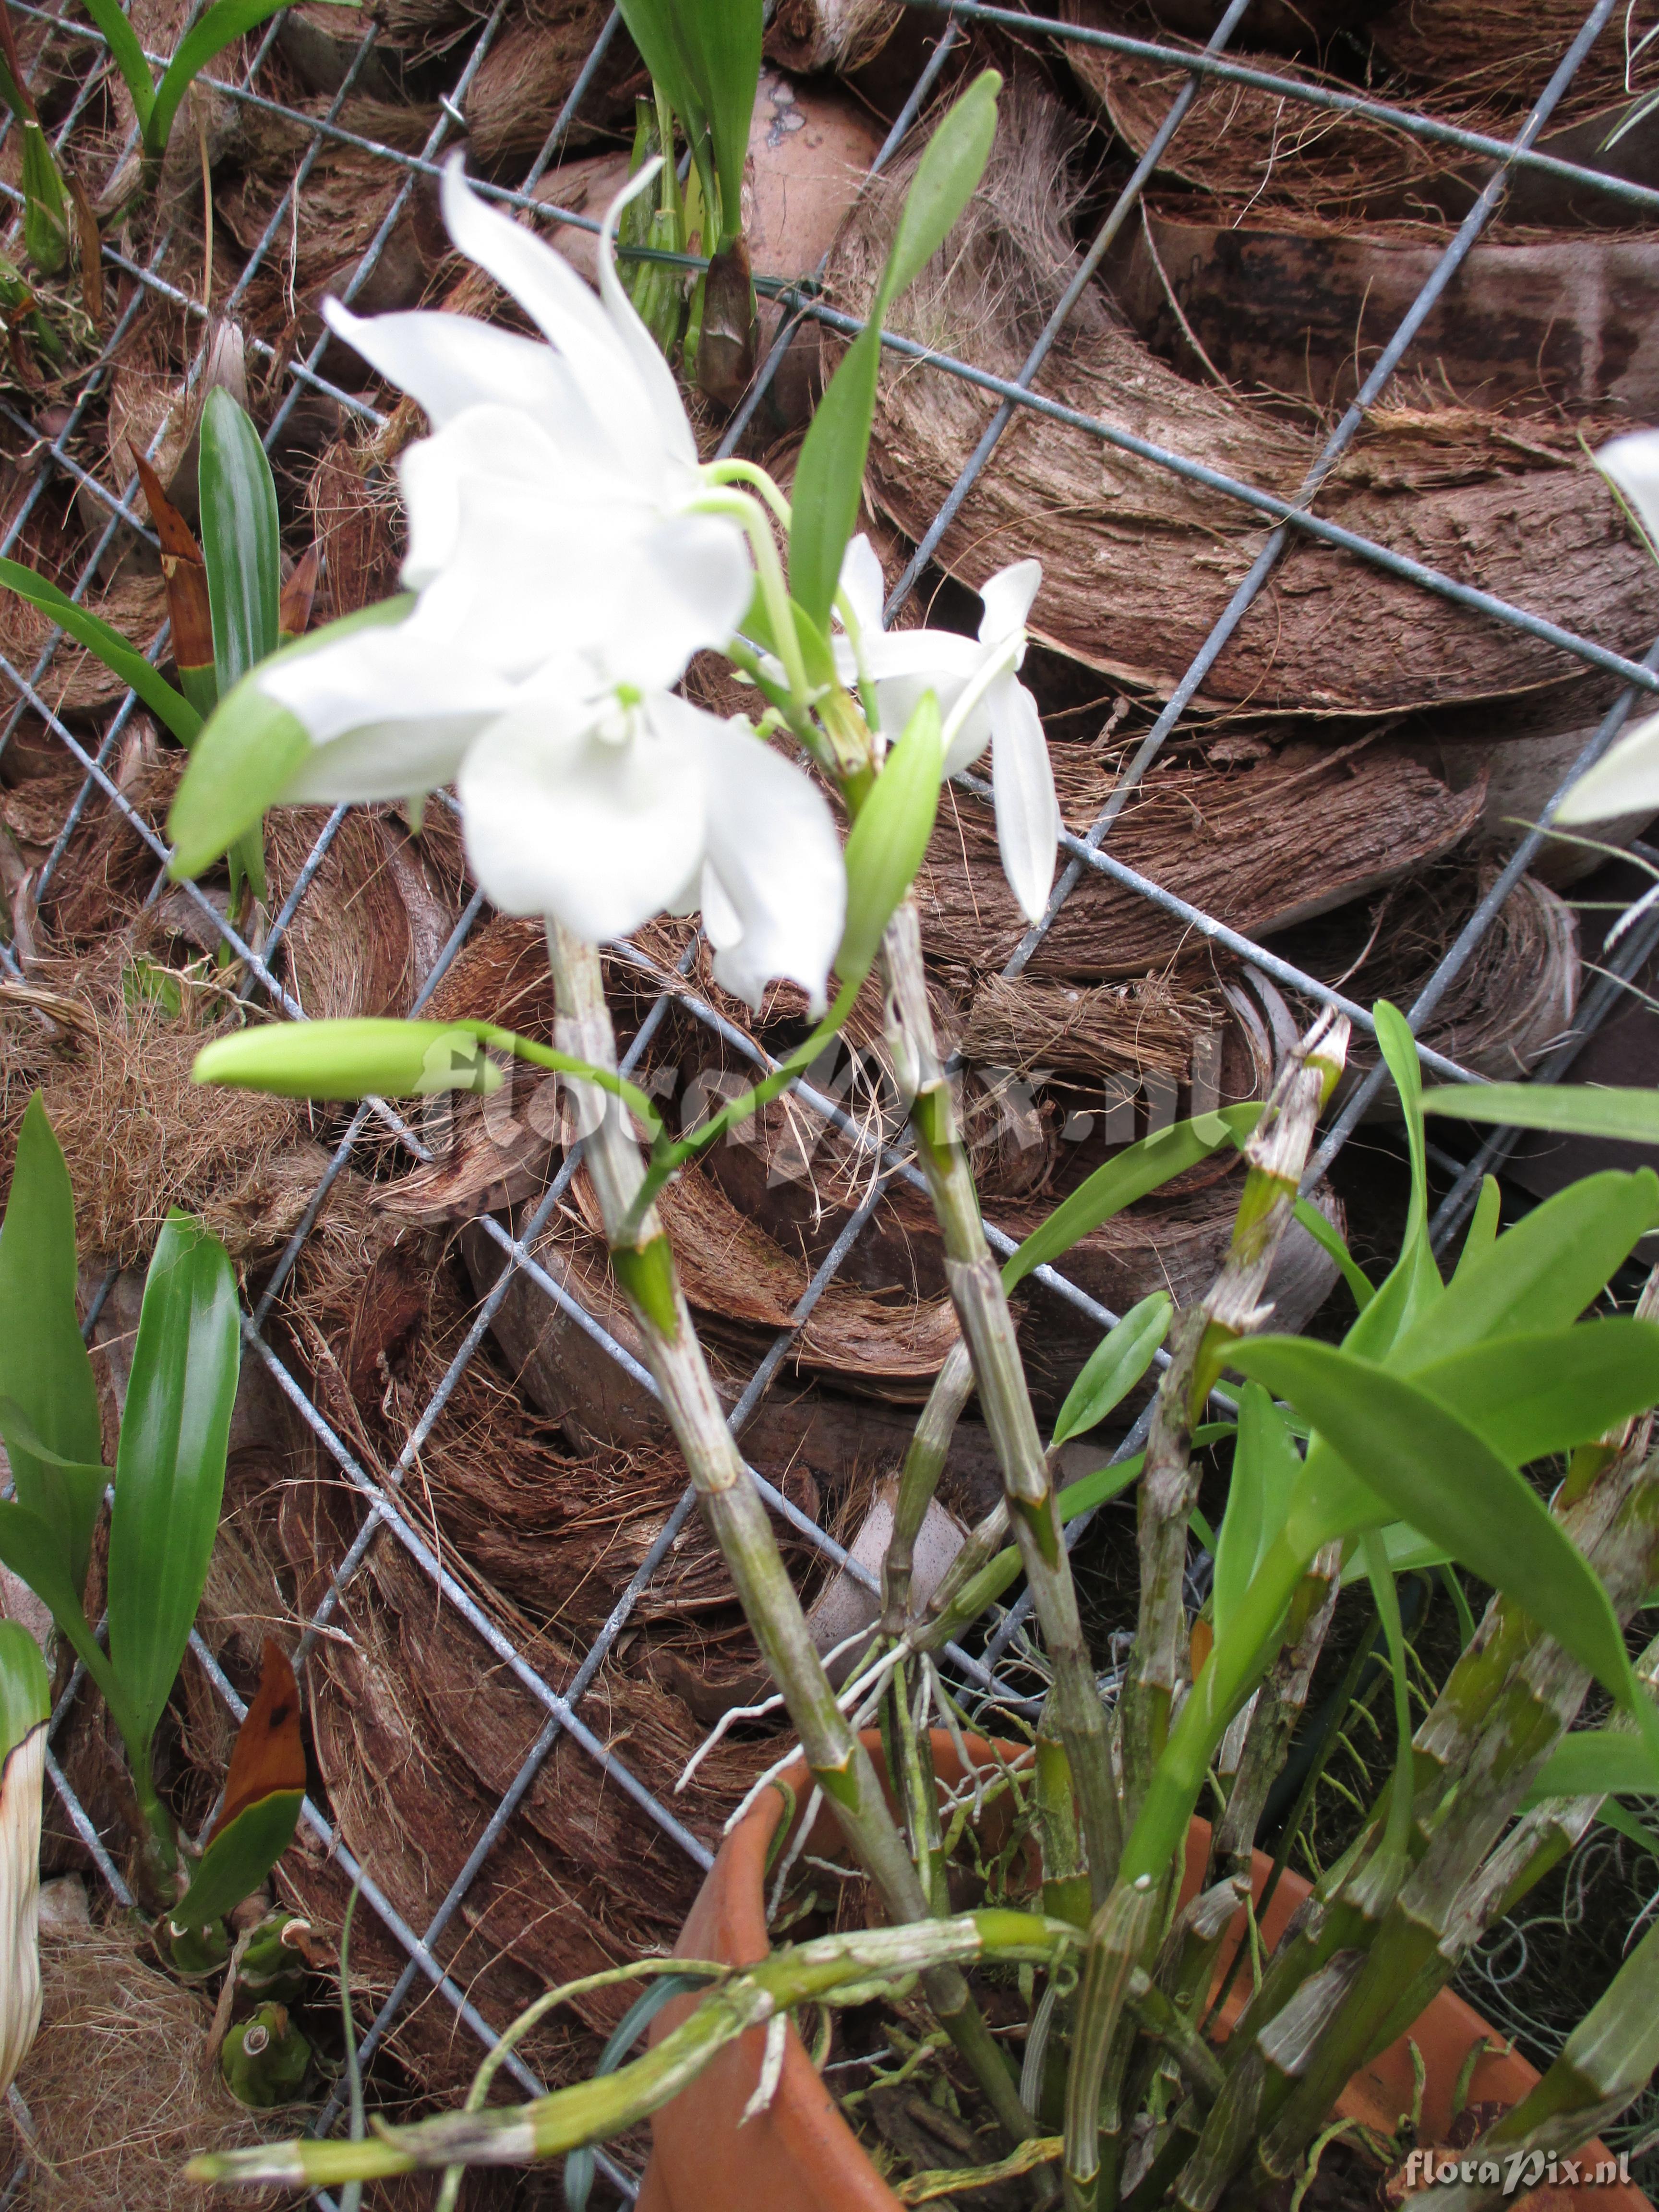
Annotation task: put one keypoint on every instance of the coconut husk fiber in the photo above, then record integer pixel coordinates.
(119, 2085)
(1512, 1002)
(1290, 306)
(810, 35)
(522, 82)
(1245, 143)
(1139, 566)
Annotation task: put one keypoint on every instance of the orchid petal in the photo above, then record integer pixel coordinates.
(865, 586)
(772, 844)
(1023, 786)
(597, 823)
(447, 363)
(1625, 781)
(561, 306)
(1633, 465)
(389, 711)
(499, 445)
(672, 427)
(1007, 597)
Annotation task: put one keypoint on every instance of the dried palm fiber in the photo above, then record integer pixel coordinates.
(346, 196)
(806, 35)
(1297, 306)
(77, 681)
(1257, 843)
(1480, 50)
(1138, 565)
(119, 2085)
(367, 932)
(154, 409)
(809, 148)
(1239, 141)
(523, 80)
(1513, 1001)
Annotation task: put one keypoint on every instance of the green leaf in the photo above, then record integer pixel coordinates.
(349, 1058)
(579, 2165)
(1579, 1109)
(247, 755)
(830, 473)
(30, 1549)
(1544, 1392)
(241, 541)
(1403, 1549)
(170, 1469)
(1115, 1366)
(45, 210)
(1433, 1470)
(1596, 1763)
(830, 476)
(1614, 1816)
(239, 1858)
(1266, 1465)
(1413, 1285)
(1541, 1274)
(1330, 1239)
(1129, 1175)
(24, 1686)
(44, 1367)
(945, 179)
(1397, 1836)
(223, 23)
(127, 53)
(125, 661)
(1483, 1224)
(886, 843)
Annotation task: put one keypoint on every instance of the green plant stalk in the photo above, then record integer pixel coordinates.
(1167, 2024)
(837, 1969)
(1422, 1937)
(924, 1461)
(1117, 1936)
(1065, 1879)
(645, 1268)
(988, 1328)
(1276, 1152)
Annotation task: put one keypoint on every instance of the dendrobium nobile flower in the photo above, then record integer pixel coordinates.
(564, 576)
(981, 699)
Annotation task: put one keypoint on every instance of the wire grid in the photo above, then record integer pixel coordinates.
(385, 1517)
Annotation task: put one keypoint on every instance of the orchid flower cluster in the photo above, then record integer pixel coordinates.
(568, 556)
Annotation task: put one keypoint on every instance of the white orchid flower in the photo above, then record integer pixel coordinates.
(25, 1704)
(550, 523)
(981, 699)
(1626, 780)
(605, 813)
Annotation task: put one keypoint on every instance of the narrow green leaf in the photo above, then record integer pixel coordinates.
(247, 755)
(1529, 1395)
(1541, 1274)
(239, 1858)
(241, 541)
(1386, 1594)
(1614, 1816)
(127, 53)
(1115, 1366)
(1434, 1470)
(31, 1550)
(1129, 1175)
(886, 843)
(223, 23)
(1330, 1239)
(1596, 1762)
(349, 1059)
(579, 2165)
(830, 476)
(1266, 1465)
(1578, 1109)
(24, 1686)
(658, 29)
(44, 1367)
(1413, 1285)
(1403, 1548)
(125, 661)
(170, 1469)
(947, 178)
(1483, 1224)
(46, 228)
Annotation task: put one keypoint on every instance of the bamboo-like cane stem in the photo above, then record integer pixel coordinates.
(923, 1463)
(988, 1328)
(1276, 1153)
(645, 1268)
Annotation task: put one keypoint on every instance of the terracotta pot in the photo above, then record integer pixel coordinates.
(800, 2155)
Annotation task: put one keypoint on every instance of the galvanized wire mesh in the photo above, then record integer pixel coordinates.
(385, 1516)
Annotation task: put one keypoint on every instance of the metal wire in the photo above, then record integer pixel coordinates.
(384, 1518)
